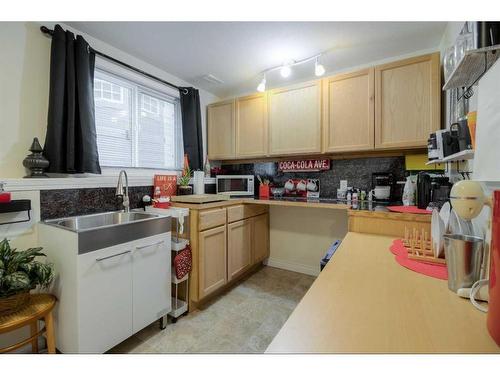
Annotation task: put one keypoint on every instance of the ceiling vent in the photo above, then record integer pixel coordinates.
(212, 79)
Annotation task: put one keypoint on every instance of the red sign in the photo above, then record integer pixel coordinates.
(164, 186)
(304, 165)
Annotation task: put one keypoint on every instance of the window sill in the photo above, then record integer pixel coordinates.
(108, 178)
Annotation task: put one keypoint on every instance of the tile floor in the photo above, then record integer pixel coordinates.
(244, 320)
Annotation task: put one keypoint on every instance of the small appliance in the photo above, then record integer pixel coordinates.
(235, 185)
(468, 199)
(484, 33)
(435, 145)
(440, 190)
(424, 190)
(382, 185)
(460, 131)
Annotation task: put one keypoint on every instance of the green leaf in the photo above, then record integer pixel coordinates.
(17, 281)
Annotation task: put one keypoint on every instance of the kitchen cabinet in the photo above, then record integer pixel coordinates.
(251, 126)
(407, 102)
(239, 247)
(294, 119)
(212, 260)
(105, 299)
(151, 282)
(349, 107)
(106, 295)
(221, 130)
(228, 240)
(260, 236)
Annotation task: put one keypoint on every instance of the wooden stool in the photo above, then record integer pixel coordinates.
(39, 307)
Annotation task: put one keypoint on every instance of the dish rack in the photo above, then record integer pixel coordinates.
(419, 245)
(179, 306)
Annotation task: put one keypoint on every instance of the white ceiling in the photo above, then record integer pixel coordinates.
(236, 52)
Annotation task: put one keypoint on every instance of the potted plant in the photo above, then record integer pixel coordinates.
(19, 273)
(184, 188)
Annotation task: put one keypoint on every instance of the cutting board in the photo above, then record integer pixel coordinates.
(199, 198)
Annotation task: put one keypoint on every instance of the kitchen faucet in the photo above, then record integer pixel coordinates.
(121, 193)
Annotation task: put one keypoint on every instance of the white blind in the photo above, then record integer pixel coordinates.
(136, 126)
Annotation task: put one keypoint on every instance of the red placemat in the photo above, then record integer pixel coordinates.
(408, 210)
(438, 271)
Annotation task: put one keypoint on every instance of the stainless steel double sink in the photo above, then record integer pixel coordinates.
(98, 231)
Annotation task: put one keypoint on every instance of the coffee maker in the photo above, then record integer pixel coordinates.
(382, 184)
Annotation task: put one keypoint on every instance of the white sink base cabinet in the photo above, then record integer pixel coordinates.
(107, 295)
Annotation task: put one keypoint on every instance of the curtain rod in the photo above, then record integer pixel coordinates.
(47, 31)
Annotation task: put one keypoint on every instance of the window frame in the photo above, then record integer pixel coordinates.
(139, 84)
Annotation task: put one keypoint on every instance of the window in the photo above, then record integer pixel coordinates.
(137, 126)
(104, 90)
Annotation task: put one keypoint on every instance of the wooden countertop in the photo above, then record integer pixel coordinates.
(391, 215)
(364, 302)
(268, 202)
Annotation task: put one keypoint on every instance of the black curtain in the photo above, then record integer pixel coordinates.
(191, 126)
(71, 141)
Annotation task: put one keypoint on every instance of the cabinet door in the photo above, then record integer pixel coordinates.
(251, 126)
(295, 119)
(260, 226)
(151, 280)
(105, 298)
(212, 260)
(407, 102)
(349, 112)
(239, 247)
(220, 119)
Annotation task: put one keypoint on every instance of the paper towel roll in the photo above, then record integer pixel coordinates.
(199, 182)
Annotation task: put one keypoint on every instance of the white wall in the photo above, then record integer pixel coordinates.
(24, 81)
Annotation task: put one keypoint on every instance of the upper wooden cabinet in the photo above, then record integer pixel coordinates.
(391, 106)
(295, 119)
(349, 112)
(220, 130)
(251, 126)
(407, 102)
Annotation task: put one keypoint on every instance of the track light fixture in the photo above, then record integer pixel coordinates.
(319, 69)
(262, 84)
(286, 69)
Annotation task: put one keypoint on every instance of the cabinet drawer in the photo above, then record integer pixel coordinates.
(212, 218)
(244, 211)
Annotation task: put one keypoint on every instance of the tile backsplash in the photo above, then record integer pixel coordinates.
(72, 202)
(357, 172)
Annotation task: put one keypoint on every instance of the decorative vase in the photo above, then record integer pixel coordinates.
(36, 162)
(184, 190)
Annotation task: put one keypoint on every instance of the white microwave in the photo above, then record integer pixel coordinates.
(237, 185)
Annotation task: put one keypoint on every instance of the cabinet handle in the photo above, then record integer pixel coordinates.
(112, 256)
(153, 244)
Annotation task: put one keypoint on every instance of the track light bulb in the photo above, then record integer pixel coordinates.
(262, 85)
(319, 69)
(285, 71)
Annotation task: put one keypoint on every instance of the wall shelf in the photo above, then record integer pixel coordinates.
(18, 205)
(459, 156)
(472, 67)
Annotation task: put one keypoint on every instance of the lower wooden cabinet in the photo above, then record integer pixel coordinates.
(227, 249)
(260, 236)
(212, 260)
(239, 247)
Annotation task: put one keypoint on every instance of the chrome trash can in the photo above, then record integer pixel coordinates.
(464, 255)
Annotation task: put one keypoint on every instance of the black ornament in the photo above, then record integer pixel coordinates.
(36, 162)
